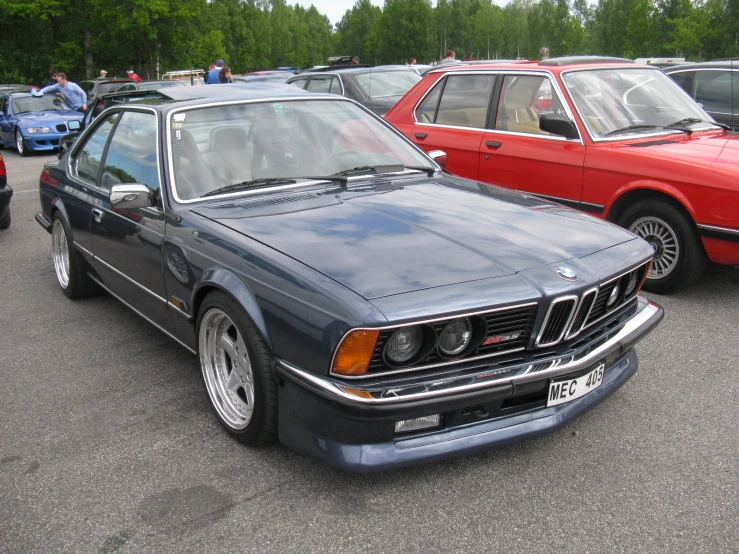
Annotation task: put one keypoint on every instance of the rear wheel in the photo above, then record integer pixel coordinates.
(68, 265)
(237, 371)
(19, 144)
(679, 257)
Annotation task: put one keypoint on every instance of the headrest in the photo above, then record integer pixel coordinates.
(228, 138)
(520, 94)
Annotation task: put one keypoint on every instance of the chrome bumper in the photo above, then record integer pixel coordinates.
(610, 346)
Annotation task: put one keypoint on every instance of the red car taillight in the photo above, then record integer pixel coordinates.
(48, 179)
(2, 166)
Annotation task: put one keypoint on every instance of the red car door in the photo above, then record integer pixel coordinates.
(516, 154)
(452, 118)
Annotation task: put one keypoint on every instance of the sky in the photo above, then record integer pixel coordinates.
(334, 9)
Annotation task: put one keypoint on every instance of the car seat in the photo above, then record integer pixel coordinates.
(229, 155)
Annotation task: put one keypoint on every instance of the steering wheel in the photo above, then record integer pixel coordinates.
(325, 165)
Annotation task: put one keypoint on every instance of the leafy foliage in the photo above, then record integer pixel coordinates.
(80, 37)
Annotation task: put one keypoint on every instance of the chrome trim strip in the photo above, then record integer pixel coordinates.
(568, 332)
(426, 321)
(142, 287)
(83, 249)
(114, 295)
(716, 228)
(312, 97)
(556, 301)
(178, 310)
(622, 341)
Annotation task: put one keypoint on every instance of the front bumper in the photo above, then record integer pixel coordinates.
(350, 426)
(42, 142)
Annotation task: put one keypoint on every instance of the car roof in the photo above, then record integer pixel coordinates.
(174, 97)
(358, 70)
(715, 64)
(551, 64)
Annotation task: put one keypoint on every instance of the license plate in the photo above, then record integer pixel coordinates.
(561, 392)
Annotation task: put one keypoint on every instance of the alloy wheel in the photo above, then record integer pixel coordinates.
(60, 253)
(227, 369)
(663, 240)
(19, 143)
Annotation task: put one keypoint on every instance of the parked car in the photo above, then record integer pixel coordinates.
(660, 62)
(377, 88)
(714, 85)
(149, 85)
(341, 292)
(186, 76)
(32, 124)
(616, 139)
(5, 195)
(98, 87)
(265, 76)
(8, 88)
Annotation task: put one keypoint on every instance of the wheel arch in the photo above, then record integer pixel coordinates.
(228, 282)
(57, 205)
(636, 192)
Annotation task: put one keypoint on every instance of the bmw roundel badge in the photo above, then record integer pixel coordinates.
(568, 274)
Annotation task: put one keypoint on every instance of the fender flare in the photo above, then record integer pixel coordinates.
(651, 186)
(229, 282)
(57, 205)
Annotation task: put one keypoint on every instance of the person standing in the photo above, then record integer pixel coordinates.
(450, 57)
(224, 76)
(52, 77)
(71, 92)
(132, 75)
(213, 74)
(103, 74)
(469, 57)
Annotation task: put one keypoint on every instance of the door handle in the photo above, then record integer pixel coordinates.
(421, 135)
(97, 214)
(493, 144)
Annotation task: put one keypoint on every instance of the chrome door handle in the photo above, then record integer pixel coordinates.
(97, 214)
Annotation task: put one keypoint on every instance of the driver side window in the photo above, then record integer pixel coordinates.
(86, 162)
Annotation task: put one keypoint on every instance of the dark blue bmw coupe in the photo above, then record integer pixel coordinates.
(342, 293)
(33, 124)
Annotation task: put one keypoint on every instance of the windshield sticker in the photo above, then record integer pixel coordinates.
(178, 122)
(277, 107)
(178, 135)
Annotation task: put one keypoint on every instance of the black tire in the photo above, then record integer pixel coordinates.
(20, 145)
(261, 426)
(5, 219)
(680, 258)
(77, 283)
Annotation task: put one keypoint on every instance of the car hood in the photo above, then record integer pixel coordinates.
(704, 148)
(394, 237)
(39, 119)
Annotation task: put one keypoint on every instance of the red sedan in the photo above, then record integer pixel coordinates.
(618, 140)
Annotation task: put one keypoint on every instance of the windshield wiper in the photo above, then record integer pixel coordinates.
(629, 128)
(693, 121)
(251, 184)
(343, 176)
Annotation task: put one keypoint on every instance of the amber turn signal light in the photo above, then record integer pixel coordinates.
(646, 274)
(355, 352)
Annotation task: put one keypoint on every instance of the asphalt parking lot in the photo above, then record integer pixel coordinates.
(108, 444)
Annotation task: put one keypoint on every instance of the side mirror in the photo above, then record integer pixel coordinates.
(74, 125)
(559, 125)
(131, 196)
(439, 156)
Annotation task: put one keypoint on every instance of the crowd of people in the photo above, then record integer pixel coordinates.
(218, 73)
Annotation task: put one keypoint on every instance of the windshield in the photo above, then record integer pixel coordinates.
(610, 100)
(387, 83)
(219, 146)
(28, 104)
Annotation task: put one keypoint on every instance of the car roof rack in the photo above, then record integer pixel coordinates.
(577, 60)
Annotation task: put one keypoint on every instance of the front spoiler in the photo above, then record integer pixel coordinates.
(319, 418)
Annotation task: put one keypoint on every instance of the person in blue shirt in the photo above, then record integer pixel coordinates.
(213, 74)
(71, 92)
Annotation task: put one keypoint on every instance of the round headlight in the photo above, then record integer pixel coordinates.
(630, 284)
(455, 336)
(614, 295)
(403, 344)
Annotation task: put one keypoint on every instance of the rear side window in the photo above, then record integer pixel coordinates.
(464, 101)
(300, 82)
(320, 84)
(426, 110)
(86, 161)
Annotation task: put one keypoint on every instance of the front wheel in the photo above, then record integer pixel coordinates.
(679, 257)
(19, 144)
(237, 371)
